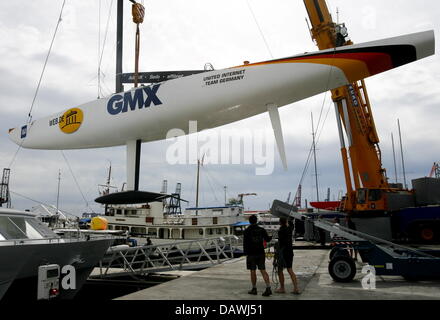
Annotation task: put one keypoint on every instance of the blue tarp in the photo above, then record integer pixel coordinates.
(241, 223)
(85, 220)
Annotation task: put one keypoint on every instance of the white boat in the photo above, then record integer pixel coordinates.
(27, 243)
(150, 220)
(218, 97)
(159, 215)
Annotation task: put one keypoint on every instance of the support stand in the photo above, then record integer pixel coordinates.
(133, 164)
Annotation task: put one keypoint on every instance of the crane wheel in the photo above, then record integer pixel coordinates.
(342, 269)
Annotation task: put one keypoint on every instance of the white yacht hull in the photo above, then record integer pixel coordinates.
(217, 97)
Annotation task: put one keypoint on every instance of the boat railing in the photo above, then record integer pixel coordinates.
(49, 240)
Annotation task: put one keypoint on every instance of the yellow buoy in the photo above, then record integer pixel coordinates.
(99, 223)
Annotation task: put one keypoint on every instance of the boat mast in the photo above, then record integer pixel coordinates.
(119, 45)
(394, 157)
(225, 188)
(401, 154)
(314, 159)
(133, 146)
(197, 187)
(58, 196)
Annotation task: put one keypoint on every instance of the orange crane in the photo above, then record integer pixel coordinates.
(405, 214)
(365, 178)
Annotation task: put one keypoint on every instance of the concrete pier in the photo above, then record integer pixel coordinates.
(231, 281)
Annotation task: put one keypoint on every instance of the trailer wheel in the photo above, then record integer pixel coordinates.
(342, 269)
(427, 233)
(337, 251)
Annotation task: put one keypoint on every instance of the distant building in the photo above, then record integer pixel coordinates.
(90, 215)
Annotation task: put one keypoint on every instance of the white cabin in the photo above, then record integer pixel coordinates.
(149, 220)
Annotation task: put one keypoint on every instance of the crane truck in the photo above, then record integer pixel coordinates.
(378, 207)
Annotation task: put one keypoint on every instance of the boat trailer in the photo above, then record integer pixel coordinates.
(387, 258)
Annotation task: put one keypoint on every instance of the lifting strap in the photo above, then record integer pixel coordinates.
(138, 13)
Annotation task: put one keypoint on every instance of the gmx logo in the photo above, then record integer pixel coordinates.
(140, 98)
(24, 131)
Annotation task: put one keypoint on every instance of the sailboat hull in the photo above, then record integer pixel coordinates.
(217, 97)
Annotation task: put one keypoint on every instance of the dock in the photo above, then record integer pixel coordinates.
(230, 281)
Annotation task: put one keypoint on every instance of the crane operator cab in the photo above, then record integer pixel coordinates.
(370, 199)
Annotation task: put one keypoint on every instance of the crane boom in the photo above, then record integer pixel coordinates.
(361, 155)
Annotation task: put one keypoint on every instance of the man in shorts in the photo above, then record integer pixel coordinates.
(253, 245)
(285, 255)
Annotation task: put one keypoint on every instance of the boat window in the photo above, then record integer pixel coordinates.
(130, 212)
(138, 231)
(1, 237)
(9, 230)
(42, 229)
(26, 227)
(32, 233)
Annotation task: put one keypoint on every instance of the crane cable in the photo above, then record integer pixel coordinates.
(138, 13)
(259, 28)
(101, 52)
(29, 119)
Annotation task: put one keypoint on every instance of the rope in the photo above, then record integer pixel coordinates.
(43, 203)
(306, 167)
(99, 47)
(275, 278)
(138, 13)
(210, 185)
(76, 182)
(45, 63)
(101, 53)
(259, 28)
(29, 119)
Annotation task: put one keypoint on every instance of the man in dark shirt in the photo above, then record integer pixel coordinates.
(285, 255)
(253, 246)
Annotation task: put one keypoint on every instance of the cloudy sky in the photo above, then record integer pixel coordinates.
(181, 34)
